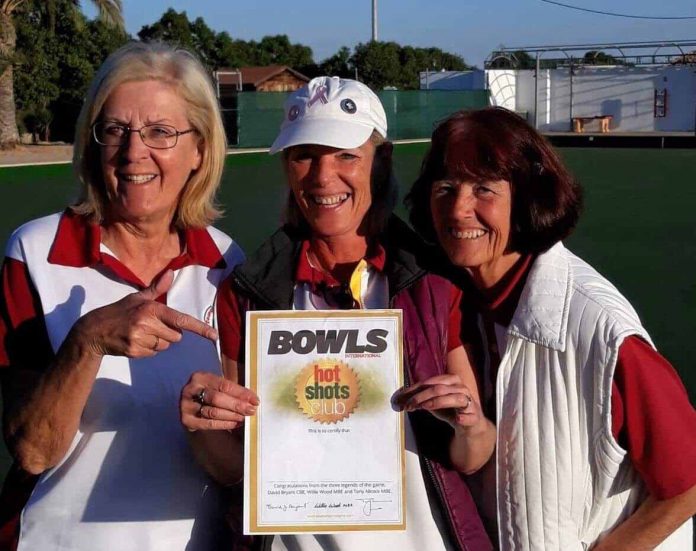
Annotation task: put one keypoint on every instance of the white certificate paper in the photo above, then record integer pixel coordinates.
(325, 451)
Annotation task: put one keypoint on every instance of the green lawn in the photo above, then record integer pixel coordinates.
(638, 226)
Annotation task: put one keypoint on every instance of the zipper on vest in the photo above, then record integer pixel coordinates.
(492, 381)
(446, 514)
(400, 286)
(249, 289)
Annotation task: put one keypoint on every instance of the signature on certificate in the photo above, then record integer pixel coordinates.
(370, 504)
(333, 505)
(287, 506)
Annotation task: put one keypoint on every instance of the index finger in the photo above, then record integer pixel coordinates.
(183, 322)
(239, 391)
(402, 396)
(444, 379)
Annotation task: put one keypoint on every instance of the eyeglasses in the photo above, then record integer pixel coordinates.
(156, 136)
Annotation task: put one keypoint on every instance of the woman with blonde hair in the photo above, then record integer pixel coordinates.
(104, 315)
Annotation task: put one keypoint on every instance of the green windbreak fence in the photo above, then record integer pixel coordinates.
(259, 116)
(410, 114)
(414, 114)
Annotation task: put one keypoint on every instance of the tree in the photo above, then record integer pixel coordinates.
(56, 58)
(215, 50)
(109, 12)
(278, 50)
(338, 64)
(219, 49)
(381, 64)
(596, 57)
(173, 28)
(689, 58)
(519, 59)
(416, 60)
(378, 63)
(36, 74)
(227, 51)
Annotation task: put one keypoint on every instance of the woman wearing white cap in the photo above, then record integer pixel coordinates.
(341, 248)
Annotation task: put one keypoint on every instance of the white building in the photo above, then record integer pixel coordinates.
(658, 98)
(474, 79)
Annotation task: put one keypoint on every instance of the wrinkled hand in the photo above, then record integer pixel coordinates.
(211, 402)
(137, 326)
(446, 397)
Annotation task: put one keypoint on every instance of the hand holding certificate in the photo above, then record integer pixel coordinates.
(325, 451)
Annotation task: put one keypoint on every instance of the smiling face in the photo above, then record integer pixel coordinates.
(472, 223)
(144, 184)
(332, 187)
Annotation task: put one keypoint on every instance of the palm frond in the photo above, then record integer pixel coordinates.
(9, 6)
(111, 12)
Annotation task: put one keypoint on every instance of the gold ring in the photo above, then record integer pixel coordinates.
(156, 343)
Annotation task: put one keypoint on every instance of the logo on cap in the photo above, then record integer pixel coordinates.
(293, 113)
(348, 105)
(319, 95)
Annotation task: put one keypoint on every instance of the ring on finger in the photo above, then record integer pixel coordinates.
(156, 343)
(462, 410)
(200, 397)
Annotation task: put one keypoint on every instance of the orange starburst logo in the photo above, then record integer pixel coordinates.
(327, 390)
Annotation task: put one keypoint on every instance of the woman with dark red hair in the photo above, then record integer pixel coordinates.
(595, 444)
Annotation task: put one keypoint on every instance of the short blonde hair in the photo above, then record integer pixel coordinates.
(139, 61)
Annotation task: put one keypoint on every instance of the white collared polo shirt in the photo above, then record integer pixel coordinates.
(129, 480)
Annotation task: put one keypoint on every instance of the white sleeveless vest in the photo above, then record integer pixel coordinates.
(129, 481)
(562, 480)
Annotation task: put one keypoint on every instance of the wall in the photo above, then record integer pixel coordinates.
(453, 80)
(415, 113)
(681, 99)
(411, 114)
(502, 85)
(626, 93)
(284, 82)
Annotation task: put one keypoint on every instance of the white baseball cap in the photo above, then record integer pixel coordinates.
(332, 111)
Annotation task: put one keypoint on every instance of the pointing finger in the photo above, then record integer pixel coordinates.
(183, 322)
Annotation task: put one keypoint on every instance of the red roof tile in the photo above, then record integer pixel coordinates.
(257, 75)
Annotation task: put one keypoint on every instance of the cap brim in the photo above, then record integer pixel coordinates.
(339, 134)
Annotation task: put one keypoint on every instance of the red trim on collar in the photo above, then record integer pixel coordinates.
(77, 244)
(201, 249)
(377, 257)
(502, 303)
(306, 273)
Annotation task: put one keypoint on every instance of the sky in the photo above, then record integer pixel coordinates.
(465, 27)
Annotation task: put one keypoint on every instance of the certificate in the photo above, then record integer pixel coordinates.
(325, 451)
